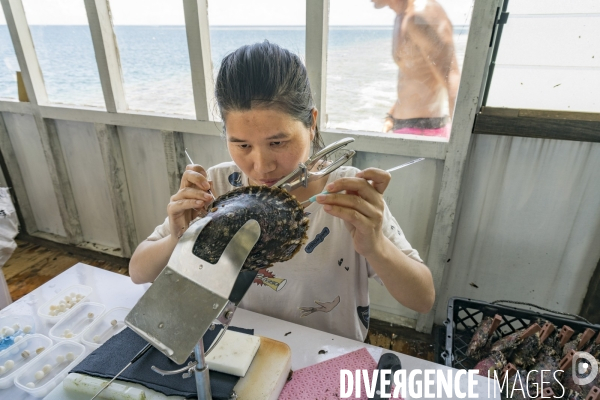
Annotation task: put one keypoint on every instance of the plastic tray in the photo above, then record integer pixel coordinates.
(15, 321)
(30, 344)
(58, 370)
(101, 329)
(76, 321)
(44, 310)
(465, 314)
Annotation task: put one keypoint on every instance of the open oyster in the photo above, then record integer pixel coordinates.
(281, 218)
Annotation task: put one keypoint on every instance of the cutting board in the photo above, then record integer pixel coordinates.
(263, 381)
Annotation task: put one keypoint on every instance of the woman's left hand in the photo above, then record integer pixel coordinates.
(361, 207)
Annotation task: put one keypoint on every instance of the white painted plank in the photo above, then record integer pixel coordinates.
(468, 102)
(57, 168)
(31, 160)
(16, 177)
(145, 166)
(25, 51)
(365, 141)
(198, 40)
(118, 189)
(175, 158)
(90, 187)
(317, 33)
(546, 88)
(107, 54)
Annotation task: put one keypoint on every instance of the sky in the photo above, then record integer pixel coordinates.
(225, 12)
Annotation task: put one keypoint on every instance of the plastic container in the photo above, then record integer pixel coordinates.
(465, 314)
(75, 322)
(12, 326)
(44, 310)
(71, 352)
(30, 344)
(102, 328)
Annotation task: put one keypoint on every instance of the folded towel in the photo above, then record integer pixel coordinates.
(117, 352)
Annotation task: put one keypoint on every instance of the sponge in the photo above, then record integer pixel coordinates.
(234, 353)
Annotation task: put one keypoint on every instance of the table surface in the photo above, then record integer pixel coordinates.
(114, 290)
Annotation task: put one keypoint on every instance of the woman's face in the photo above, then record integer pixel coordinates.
(267, 144)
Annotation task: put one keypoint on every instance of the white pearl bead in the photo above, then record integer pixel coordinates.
(9, 364)
(30, 385)
(60, 359)
(16, 327)
(39, 375)
(47, 368)
(39, 350)
(90, 315)
(96, 339)
(25, 354)
(113, 322)
(18, 338)
(9, 331)
(27, 328)
(2, 369)
(70, 356)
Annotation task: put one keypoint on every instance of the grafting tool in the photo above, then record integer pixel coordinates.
(416, 160)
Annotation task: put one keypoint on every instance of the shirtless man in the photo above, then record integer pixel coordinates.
(423, 49)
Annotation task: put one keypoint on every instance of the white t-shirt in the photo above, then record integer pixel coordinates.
(325, 285)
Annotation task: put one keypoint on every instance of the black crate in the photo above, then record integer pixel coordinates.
(465, 314)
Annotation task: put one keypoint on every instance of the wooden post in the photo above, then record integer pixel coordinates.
(175, 158)
(317, 34)
(106, 50)
(467, 105)
(114, 169)
(198, 40)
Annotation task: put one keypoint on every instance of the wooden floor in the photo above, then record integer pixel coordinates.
(35, 262)
(32, 265)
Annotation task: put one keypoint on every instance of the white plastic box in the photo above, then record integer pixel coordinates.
(101, 329)
(30, 344)
(24, 324)
(44, 310)
(76, 321)
(71, 352)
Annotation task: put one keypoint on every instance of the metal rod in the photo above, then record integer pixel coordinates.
(201, 373)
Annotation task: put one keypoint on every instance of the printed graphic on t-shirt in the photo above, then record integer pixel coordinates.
(324, 306)
(235, 179)
(264, 277)
(317, 240)
(363, 315)
(340, 261)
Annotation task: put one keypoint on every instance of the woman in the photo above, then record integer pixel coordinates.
(266, 104)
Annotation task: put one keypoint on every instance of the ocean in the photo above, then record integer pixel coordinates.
(361, 76)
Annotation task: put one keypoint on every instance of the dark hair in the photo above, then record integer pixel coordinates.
(265, 75)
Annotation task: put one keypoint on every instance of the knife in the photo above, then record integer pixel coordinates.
(391, 362)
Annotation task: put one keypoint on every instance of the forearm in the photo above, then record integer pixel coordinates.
(149, 259)
(408, 281)
(452, 87)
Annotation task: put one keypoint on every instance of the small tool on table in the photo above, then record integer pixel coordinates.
(416, 160)
(134, 359)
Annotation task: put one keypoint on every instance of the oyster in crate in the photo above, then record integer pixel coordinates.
(495, 362)
(283, 225)
(482, 336)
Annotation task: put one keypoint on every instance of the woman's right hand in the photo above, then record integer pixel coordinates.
(190, 200)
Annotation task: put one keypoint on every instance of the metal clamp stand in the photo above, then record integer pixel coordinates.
(175, 328)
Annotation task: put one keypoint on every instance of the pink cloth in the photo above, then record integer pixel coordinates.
(444, 131)
(322, 381)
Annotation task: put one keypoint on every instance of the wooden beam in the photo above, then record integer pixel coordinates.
(175, 158)
(114, 169)
(25, 51)
(472, 82)
(317, 37)
(549, 114)
(106, 50)
(541, 128)
(57, 167)
(198, 40)
(16, 178)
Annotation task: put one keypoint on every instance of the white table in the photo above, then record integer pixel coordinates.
(114, 290)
